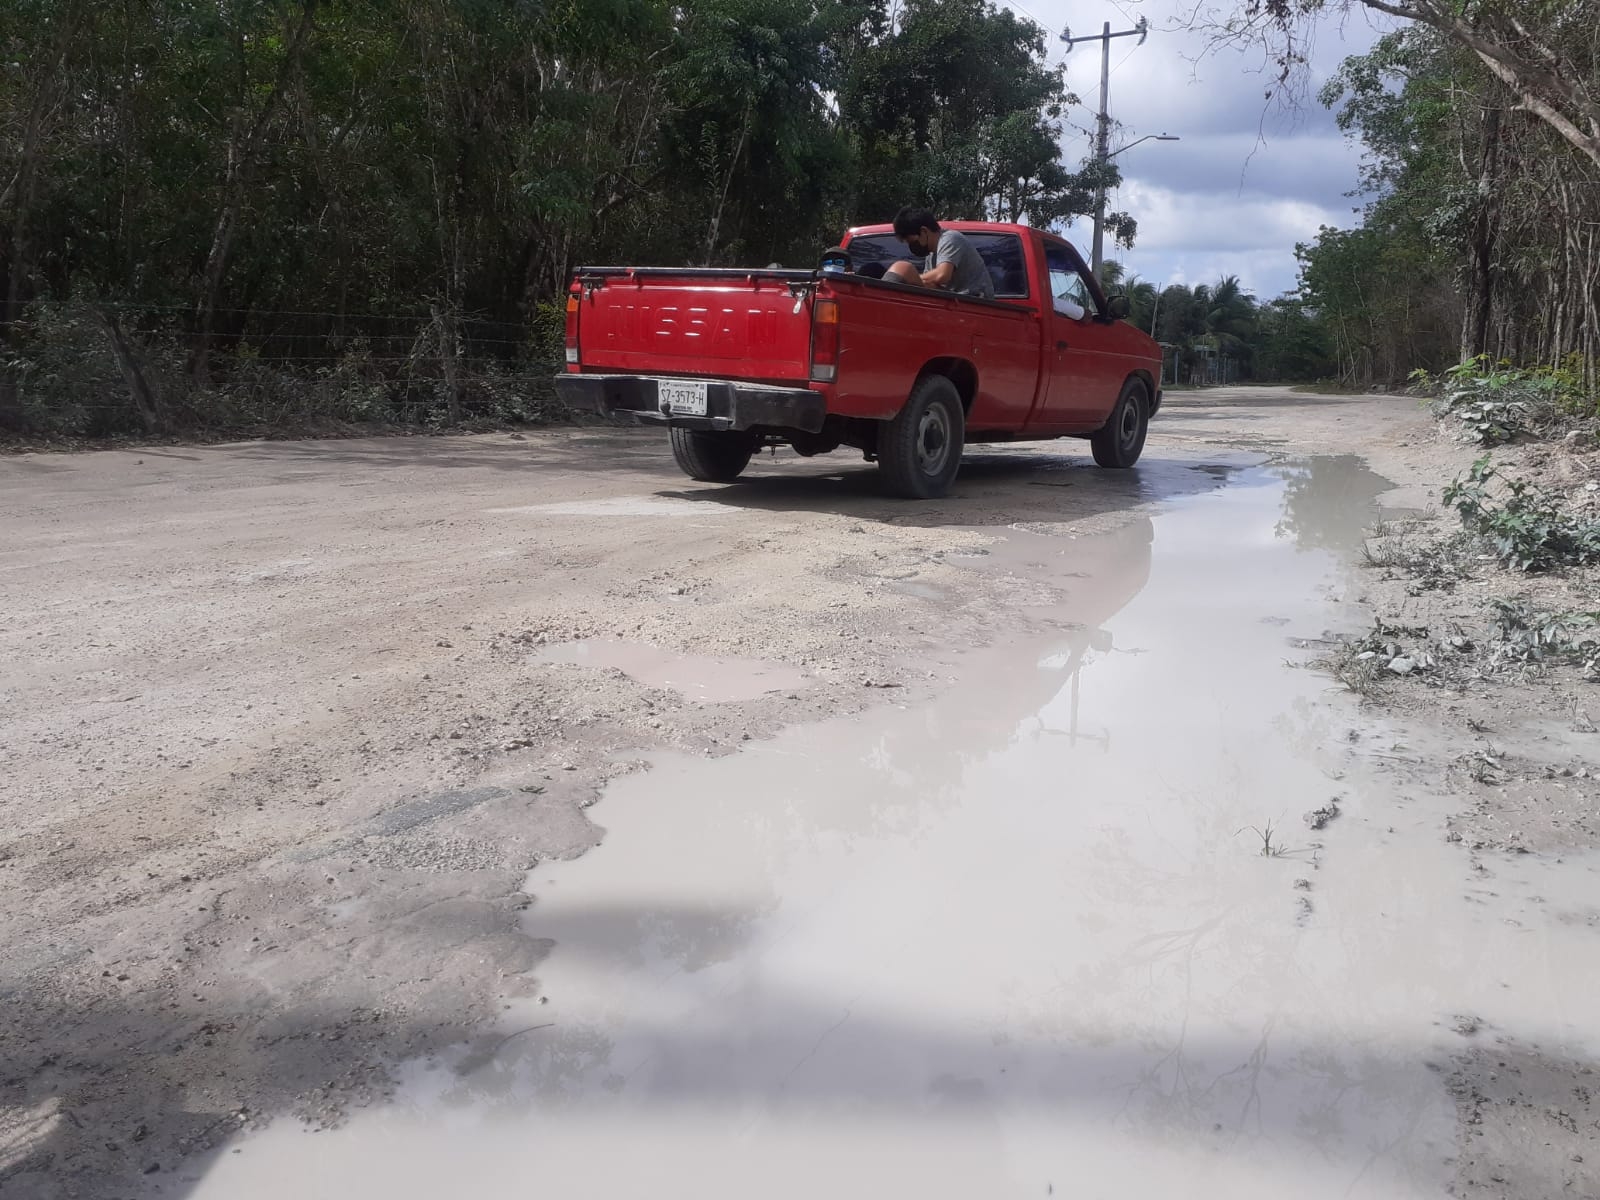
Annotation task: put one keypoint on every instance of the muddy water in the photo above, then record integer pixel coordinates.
(700, 678)
(1021, 941)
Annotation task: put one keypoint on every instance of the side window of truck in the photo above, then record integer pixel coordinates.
(1001, 253)
(1066, 283)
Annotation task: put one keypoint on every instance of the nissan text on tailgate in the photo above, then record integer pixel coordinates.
(733, 360)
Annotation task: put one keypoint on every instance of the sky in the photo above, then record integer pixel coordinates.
(1247, 180)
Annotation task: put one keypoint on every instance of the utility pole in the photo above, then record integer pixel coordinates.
(1102, 141)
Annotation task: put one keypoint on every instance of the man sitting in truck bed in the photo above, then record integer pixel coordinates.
(950, 260)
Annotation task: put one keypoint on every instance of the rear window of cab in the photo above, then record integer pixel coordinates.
(1001, 253)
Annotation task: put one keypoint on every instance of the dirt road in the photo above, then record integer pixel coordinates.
(299, 739)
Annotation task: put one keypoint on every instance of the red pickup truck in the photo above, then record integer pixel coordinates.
(732, 360)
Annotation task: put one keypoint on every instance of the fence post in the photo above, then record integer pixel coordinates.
(145, 398)
(448, 330)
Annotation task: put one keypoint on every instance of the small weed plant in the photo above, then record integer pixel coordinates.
(1525, 634)
(1363, 665)
(1271, 840)
(1526, 525)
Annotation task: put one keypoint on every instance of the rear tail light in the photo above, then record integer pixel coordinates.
(825, 340)
(572, 330)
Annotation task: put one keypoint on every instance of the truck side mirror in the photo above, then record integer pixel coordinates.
(1117, 307)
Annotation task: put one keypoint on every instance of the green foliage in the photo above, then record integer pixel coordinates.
(953, 106)
(1465, 247)
(1294, 342)
(1221, 333)
(275, 195)
(1572, 386)
(64, 377)
(1374, 290)
(1497, 402)
(1524, 633)
(1527, 526)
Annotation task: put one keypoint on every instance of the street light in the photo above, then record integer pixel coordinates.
(1100, 194)
(1158, 137)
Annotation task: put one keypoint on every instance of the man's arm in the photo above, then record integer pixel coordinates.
(940, 276)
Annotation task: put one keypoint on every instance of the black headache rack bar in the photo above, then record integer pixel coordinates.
(801, 283)
(603, 273)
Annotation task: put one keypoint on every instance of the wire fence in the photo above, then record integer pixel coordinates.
(77, 368)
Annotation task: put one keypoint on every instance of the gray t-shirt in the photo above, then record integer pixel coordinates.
(971, 276)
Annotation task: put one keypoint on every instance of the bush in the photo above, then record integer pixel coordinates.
(1525, 524)
(1525, 634)
(1497, 402)
(60, 377)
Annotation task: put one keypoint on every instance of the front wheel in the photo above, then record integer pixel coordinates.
(919, 452)
(1120, 441)
(712, 456)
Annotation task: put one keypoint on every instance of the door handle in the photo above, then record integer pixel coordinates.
(1061, 345)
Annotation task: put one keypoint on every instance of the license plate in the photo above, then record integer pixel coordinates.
(682, 397)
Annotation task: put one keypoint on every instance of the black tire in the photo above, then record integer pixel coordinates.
(919, 452)
(712, 456)
(1120, 441)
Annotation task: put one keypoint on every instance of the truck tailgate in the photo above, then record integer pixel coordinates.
(722, 324)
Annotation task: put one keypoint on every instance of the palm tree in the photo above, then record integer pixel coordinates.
(1142, 296)
(1231, 319)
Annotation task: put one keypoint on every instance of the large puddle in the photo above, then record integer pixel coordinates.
(1022, 941)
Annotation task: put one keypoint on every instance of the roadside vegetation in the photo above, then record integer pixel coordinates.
(295, 214)
(269, 215)
(1481, 235)
(1495, 402)
(1532, 544)
(1473, 278)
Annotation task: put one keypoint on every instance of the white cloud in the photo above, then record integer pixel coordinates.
(1249, 178)
(1198, 237)
(1315, 166)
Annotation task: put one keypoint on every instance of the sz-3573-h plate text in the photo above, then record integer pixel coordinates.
(682, 397)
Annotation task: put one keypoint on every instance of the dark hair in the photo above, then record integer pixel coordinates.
(838, 252)
(913, 220)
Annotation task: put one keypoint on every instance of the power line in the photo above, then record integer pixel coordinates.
(1025, 11)
(1123, 60)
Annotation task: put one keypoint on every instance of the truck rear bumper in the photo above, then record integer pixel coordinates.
(729, 405)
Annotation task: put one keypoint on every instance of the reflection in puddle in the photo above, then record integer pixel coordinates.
(1327, 502)
(709, 680)
(1019, 941)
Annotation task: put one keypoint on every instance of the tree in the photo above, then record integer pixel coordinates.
(1293, 342)
(266, 196)
(1480, 218)
(952, 105)
(1543, 51)
(748, 91)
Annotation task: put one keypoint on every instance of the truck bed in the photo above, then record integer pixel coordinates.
(697, 323)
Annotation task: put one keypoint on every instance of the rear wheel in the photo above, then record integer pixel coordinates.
(1121, 440)
(919, 452)
(713, 456)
